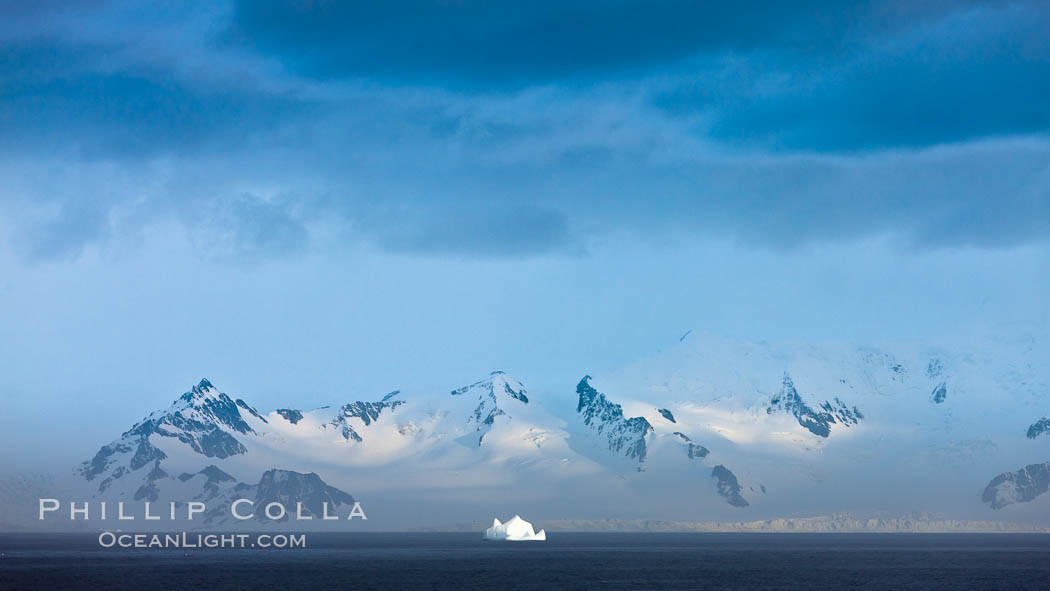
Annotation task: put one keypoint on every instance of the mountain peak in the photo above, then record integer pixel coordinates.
(497, 383)
(205, 404)
(203, 391)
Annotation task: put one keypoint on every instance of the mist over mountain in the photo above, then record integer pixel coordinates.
(710, 429)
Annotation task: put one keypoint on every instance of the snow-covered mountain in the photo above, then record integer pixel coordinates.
(201, 422)
(709, 429)
(209, 446)
(805, 427)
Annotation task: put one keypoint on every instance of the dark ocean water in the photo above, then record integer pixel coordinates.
(566, 561)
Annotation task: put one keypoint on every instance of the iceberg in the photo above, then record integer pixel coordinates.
(515, 530)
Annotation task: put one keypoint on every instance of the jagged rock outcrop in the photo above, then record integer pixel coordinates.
(289, 488)
(294, 491)
(694, 450)
(623, 435)
(291, 415)
(1021, 486)
(367, 412)
(939, 393)
(728, 486)
(935, 368)
(817, 422)
(1040, 427)
(214, 480)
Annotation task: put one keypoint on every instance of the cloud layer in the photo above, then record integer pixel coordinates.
(266, 129)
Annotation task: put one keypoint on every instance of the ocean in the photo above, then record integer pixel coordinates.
(566, 561)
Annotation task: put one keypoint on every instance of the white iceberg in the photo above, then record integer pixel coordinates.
(515, 530)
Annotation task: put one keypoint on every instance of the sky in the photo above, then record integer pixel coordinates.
(310, 202)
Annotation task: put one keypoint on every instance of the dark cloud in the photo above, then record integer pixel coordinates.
(549, 125)
(479, 44)
(93, 100)
(807, 76)
(978, 74)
